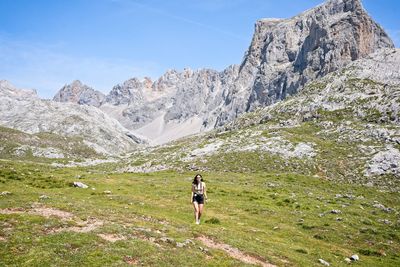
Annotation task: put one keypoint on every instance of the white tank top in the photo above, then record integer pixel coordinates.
(199, 188)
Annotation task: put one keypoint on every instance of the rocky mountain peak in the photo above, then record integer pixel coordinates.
(129, 92)
(77, 92)
(285, 54)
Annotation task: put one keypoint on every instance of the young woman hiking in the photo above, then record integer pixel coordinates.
(199, 194)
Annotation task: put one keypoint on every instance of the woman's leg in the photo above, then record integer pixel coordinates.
(196, 210)
(200, 210)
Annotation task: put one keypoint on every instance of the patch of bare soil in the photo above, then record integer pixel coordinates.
(111, 237)
(82, 227)
(233, 252)
(48, 212)
(41, 211)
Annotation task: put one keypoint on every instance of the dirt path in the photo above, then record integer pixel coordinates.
(233, 252)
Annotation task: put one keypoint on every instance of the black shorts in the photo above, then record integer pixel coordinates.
(199, 198)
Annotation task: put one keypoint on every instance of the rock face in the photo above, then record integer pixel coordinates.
(283, 56)
(20, 109)
(368, 88)
(175, 105)
(76, 92)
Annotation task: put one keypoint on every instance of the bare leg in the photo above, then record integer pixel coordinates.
(196, 210)
(200, 210)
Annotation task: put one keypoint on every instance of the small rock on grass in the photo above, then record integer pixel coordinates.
(354, 257)
(203, 249)
(323, 262)
(5, 193)
(44, 197)
(80, 185)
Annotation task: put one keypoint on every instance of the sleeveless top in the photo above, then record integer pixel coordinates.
(199, 188)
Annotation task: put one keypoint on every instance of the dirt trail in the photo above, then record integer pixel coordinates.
(233, 252)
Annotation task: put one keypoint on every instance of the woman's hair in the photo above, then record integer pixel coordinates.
(195, 180)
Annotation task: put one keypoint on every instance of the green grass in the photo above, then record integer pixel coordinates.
(73, 148)
(281, 217)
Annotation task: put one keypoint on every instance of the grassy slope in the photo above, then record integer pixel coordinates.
(71, 147)
(273, 208)
(274, 216)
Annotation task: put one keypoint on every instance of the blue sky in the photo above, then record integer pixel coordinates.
(46, 44)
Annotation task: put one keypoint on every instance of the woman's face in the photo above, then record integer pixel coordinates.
(198, 178)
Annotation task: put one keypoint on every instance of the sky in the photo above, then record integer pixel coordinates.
(45, 44)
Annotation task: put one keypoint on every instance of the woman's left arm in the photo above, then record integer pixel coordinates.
(205, 191)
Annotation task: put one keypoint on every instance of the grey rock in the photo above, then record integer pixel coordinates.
(382, 207)
(385, 221)
(80, 185)
(384, 162)
(76, 92)
(354, 257)
(9, 90)
(48, 152)
(323, 262)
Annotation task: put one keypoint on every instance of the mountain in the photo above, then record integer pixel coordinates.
(343, 127)
(24, 111)
(283, 56)
(79, 93)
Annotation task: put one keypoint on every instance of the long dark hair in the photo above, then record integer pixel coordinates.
(195, 180)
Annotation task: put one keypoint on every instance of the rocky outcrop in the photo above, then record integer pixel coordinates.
(9, 90)
(76, 92)
(32, 115)
(286, 54)
(385, 162)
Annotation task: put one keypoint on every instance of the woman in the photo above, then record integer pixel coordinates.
(198, 195)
